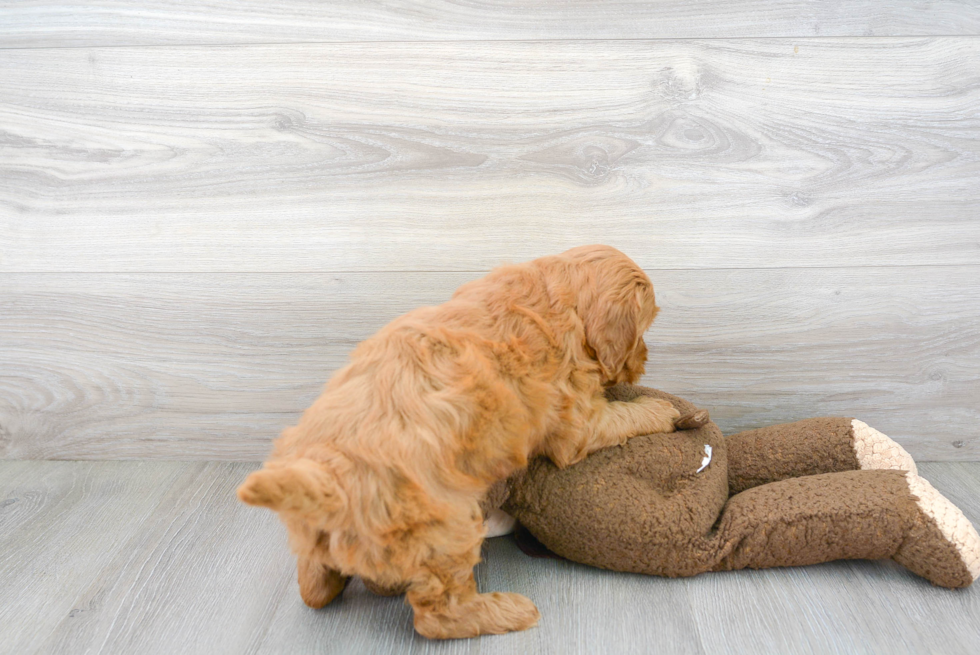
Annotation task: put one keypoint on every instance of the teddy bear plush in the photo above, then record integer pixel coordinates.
(692, 501)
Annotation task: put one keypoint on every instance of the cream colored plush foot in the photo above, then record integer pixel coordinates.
(943, 545)
(874, 450)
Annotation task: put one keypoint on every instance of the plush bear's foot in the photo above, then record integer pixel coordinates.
(942, 546)
(874, 450)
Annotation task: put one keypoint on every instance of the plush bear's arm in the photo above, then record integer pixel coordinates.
(692, 420)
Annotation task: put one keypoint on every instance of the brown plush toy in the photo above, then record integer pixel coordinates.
(692, 501)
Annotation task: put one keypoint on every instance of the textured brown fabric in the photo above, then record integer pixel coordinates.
(817, 518)
(692, 420)
(530, 545)
(495, 497)
(927, 553)
(642, 507)
(629, 508)
(790, 450)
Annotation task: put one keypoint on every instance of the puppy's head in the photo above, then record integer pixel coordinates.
(616, 305)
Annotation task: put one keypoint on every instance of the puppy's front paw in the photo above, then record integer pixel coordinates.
(661, 416)
(484, 614)
(512, 612)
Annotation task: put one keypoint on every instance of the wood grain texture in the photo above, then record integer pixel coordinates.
(843, 607)
(62, 525)
(194, 366)
(30, 24)
(202, 573)
(457, 156)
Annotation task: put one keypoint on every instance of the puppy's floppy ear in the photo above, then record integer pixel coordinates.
(301, 486)
(615, 322)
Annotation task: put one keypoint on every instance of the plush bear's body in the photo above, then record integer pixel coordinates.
(787, 495)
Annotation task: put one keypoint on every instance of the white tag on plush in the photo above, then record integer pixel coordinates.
(706, 459)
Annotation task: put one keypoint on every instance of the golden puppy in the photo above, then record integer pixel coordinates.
(383, 476)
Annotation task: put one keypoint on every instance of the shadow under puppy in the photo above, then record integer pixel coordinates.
(384, 474)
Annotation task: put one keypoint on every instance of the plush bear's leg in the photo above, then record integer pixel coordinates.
(809, 447)
(869, 514)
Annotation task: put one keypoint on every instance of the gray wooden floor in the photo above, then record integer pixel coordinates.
(159, 557)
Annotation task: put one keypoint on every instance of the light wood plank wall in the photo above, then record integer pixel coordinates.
(202, 211)
(36, 23)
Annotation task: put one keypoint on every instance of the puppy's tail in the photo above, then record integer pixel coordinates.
(302, 486)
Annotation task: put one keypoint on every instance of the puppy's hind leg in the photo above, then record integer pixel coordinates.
(318, 584)
(448, 606)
